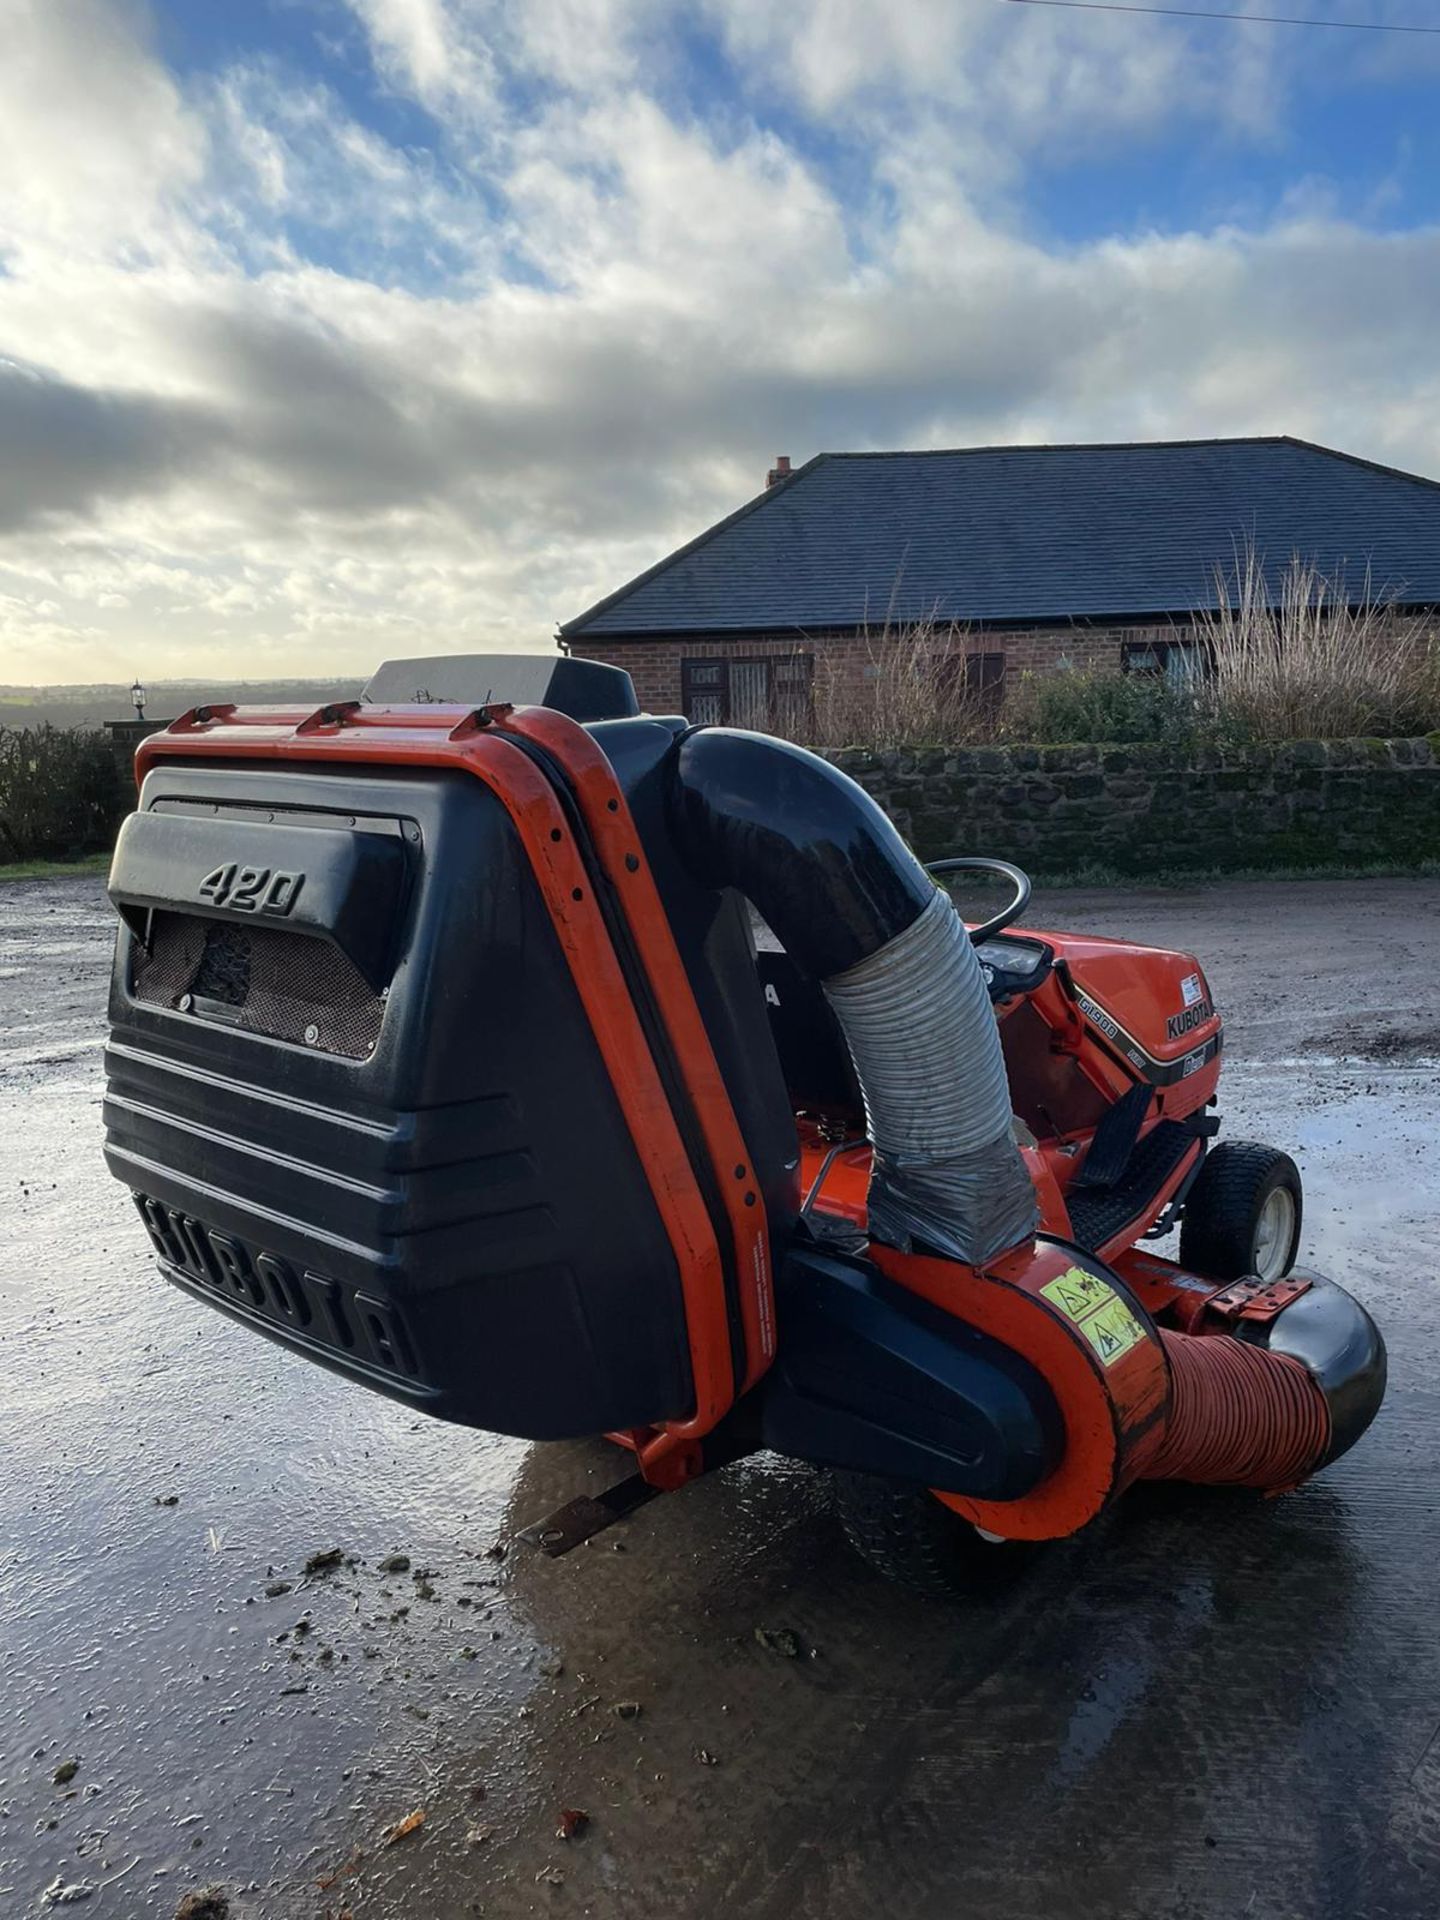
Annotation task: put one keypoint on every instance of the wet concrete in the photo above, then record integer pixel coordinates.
(1208, 1706)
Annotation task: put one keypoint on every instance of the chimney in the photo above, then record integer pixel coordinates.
(780, 471)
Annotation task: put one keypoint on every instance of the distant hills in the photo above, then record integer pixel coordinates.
(83, 706)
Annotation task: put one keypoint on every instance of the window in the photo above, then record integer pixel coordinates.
(974, 678)
(1178, 660)
(704, 692)
(771, 695)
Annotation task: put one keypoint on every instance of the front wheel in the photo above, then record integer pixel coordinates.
(1243, 1214)
(904, 1532)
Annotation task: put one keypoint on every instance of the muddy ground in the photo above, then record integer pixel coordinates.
(1208, 1706)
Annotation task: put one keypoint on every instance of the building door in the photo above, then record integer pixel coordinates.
(973, 681)
(750, 694)
(985, 681)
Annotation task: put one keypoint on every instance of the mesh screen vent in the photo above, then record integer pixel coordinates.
(265, 980)
(224, 970)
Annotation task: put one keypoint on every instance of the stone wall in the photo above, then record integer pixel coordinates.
(1146, 809)
(126, 735)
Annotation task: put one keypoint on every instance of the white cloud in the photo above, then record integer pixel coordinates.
(995, 81)
(278, 395)
(95, 140)
(432, 50)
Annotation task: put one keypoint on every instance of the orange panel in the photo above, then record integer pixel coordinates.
(845, 1187)
(1114, 1415)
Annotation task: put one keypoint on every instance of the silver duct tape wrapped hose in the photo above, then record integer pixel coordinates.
(922, 1035)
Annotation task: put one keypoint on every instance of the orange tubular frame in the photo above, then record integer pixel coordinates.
(474, 742)
(612, 828)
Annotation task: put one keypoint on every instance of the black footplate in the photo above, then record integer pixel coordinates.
(1096, 1216)
(1108, 1160)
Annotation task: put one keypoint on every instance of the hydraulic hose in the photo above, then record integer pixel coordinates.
(854, 908)
(1273, 1401)
(1239, 1416)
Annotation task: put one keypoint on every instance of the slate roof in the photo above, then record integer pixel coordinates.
(1033, 534)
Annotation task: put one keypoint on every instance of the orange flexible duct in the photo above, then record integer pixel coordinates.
(1240, 1416)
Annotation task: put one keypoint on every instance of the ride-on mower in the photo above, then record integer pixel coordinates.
(443, 1054)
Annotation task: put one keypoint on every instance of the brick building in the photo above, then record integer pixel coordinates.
(1010, 558)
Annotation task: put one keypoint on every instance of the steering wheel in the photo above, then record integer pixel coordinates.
(1011, 911)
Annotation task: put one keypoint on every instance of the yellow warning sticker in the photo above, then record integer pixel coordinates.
(1077, 1293)
(1112, 1331)
(1100, 1313)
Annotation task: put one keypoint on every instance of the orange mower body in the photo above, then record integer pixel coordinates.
(445, 1052)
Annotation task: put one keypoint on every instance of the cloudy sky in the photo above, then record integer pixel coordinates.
(335, 328)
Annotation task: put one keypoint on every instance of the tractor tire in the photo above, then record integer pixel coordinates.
(1244, 1213)
(908, 1535)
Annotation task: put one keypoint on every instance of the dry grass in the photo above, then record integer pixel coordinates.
(1323, 662)
(913, 693)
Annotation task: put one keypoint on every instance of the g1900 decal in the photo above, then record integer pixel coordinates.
(251, 889)
(1160, 1073)
(1106, 1022)
(1188, 1019)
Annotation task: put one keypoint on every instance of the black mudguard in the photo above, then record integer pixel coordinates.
(874, 1379)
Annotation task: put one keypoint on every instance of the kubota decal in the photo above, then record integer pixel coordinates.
(1185, 1022)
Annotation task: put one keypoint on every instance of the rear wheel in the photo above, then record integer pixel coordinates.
(1243, 1214)
(904, 1532)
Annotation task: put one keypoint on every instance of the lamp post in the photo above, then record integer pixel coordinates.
(137, 700)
